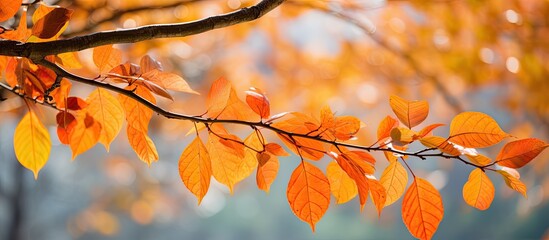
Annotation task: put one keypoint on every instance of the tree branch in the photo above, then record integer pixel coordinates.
(37, 51)
(423, 154)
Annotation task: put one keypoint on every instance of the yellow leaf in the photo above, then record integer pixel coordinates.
(142, 145)
(411, 113)
(195, 168)
(106, 57)
(342, 186)
(475, 130)
(513, 182)
(84, 135)
(422, 209)
(478, 191)
(32, 143)
(394, 179)
(106, 110)
(225, 162)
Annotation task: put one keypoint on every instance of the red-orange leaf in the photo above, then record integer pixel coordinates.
(428, 129)
(9, 8)
(394, 179)
(52, 23)
(142, 145)
(342, 186)
(258, 102)
(308, 193)
(65, 125)
(84, 135)
(345, 127)
(385, 127)
(267, 170)
(475, 130)
(358, 176)
(422, 209)
(76, 103)
(513, 182)
(195, 168)
(478, 191)
(411, 113)
(518, 153)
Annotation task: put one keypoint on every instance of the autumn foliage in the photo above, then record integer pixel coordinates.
(214, 151)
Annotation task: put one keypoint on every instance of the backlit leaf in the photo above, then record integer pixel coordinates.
(385, 127)
(518, 153)
(478, 191)
(410, 113)
(308, 193)
(84, 135)
(479, 159)
(142, 145)
(137, 115)
(394, 179)
(342, 186)
(422, 209)
(378, 194)
(441, 144)
(276, 149)
(475, 130)
(108, 111)
(258, 102)
(428, 129)
(195, 168)
(267, 170)
(31, 142)
(223, 103)
(65, 124)
(9, 8)
(513, 182)
(106, 57)
(225, 162)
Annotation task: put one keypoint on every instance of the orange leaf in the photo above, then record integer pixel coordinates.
(441, 144)
(258, 102)
(169, 81)
(266, 171)
(422, 209)
(142, 145)
(385, 127)
(342, 186)
(475, 130)
(308, 193)
(225, 162)
(275, 149)
(195, 168)
(411, 113)
(84, 135)
(394, 179)
(9, 8)
(148, 64)
(223, 103)
(137, 115)
(108, 111)
(308, 148)
(32, 144)
(65, 125)
(402, 136)
(106, 57)
(428, 129)
(249, 163)
(479, 159)
(345, 127)
(378, 194)
(51, 24)
(478, 191)
(518, 153)
(513, 182)
(358, 176)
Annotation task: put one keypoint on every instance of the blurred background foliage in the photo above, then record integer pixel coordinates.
(459, 55)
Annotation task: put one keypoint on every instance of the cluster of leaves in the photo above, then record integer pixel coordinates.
(82, 123)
